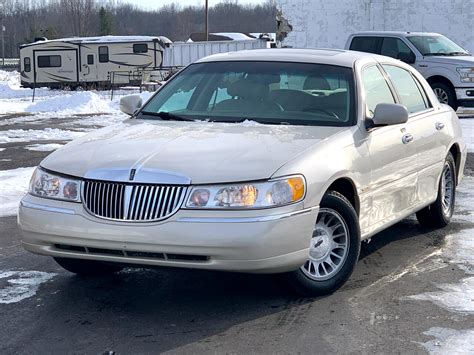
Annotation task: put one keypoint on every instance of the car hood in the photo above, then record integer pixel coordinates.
(460, 60)
(185, 152)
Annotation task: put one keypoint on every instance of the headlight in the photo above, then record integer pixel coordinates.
(273, 193)
(45, 184)
(467, 74)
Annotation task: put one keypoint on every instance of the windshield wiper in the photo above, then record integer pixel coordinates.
(167, 116)
(435, 54)
(458, 53)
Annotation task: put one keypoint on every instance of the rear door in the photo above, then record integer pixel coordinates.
(430, 137)
(370, 44)
(56, 66)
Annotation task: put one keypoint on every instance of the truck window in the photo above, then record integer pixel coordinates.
(103, 54)
(140, 48)
(90, 59)
(365, 44)
(27, 64)
(395, 48)
(407, 89)
(49, 61)
(376, 89)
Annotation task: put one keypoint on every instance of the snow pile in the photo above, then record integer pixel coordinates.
(78, 102)
(13, 186)
(22, 284)
(21, 135)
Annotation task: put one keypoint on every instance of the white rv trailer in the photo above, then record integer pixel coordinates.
(112, 61)
(90, 61)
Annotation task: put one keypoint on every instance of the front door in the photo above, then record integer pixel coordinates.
(392, 189)
(89, 68)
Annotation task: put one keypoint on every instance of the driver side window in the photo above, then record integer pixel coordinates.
(376, 89)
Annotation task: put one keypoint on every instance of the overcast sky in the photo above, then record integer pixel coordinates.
(155, 4)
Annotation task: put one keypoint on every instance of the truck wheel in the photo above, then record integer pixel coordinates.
(445, 95)
(334, 248)
(87, 267)
(438, 214)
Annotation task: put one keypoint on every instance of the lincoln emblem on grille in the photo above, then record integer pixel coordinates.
(132, 174)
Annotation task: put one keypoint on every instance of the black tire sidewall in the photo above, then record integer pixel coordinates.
(307, 286)
(439, 203)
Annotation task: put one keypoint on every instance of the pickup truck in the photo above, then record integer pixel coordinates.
(447, 67)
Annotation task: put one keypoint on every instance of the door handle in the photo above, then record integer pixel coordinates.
(407, 138)
(439, 126)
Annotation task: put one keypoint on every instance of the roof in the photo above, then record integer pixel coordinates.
(105, 39)
(323, 56)
(394, 33)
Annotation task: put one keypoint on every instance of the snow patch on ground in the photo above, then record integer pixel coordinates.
(78, 102)
(2, 149)
(449, 341)
(21, 135)
(13, 186)
(467, 125)
(22, 284)
(44, 147)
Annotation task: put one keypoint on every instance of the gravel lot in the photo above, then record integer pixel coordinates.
(411, 292)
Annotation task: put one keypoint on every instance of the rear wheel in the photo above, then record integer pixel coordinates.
(334, 248)
(87, 267)
(445, 94)
(439, 213)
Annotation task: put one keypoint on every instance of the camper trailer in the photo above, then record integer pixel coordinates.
(90, 62)
(113, 61)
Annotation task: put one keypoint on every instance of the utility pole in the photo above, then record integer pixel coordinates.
(3, 45)
(207, 20)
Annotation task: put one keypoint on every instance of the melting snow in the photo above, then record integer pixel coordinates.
(22, 284)
(44, 147)
(13, 186)
(450, 341)
(21, 135)
(467, 125)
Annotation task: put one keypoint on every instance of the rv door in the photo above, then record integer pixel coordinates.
(89, 68)
(55, 67)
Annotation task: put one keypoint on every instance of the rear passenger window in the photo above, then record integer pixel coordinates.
(27, 64)
(376, 89)
(103, 54)
(365, 44)
(407, 89)
(393, 47)
(140, 48)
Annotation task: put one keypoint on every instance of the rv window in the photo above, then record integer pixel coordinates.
(27, 64)
(103, 54)
(140, 48)
(90, 59)
(49, 61)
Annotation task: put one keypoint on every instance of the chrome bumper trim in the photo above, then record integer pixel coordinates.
(245, 219)
(36, 206)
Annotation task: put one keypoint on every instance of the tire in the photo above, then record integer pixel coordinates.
(439, 213)
(87, 267)
(315, 277)
(445, 94)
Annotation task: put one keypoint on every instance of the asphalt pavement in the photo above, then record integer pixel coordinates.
(190, 311)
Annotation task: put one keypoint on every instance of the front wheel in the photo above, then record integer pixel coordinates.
(333, 251)
(87, 267)
(445, 95)
(439, 213)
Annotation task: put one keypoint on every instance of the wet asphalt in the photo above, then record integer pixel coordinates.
(191, 311)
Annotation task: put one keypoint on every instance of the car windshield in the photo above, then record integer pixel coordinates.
(265, 92)
(436, 45)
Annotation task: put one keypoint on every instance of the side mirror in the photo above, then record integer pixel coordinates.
(388, 114)
(130, 104)
(408, 58)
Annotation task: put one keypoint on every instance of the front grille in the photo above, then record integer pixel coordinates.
(131, 202)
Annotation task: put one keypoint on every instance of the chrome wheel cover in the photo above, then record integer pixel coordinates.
(447, 189)
(329, 246)
(442, 95)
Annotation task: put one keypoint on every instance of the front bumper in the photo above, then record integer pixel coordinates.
(263, 241)
(465, 96)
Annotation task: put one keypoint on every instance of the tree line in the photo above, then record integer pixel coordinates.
(25, 20)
